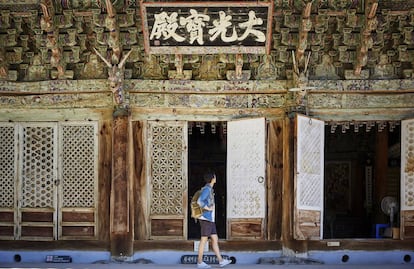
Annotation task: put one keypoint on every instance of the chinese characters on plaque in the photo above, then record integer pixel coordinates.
(197, 28)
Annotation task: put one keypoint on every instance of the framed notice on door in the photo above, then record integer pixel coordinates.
(207, 27)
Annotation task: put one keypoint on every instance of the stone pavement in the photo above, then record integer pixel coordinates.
(192, 266)
(172, 260)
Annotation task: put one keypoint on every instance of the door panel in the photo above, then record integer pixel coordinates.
(8, 172)
(407, 179)
(309, 178)
(40, 200)
(167, 155)
(246, 196)
(37, 184)
(78, 185)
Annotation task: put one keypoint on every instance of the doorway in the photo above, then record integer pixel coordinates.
(207, 150)
(362, 166)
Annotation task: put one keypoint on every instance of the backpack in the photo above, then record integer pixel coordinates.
(196, 210)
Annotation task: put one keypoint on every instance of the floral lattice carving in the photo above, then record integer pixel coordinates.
(310, 158)
(407, 166)
(167, 173)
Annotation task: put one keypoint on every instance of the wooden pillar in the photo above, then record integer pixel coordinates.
(139, 182)
(380, 174)
(290, 246)
(105, 178)
(120, 222)
(287, 191)
(275, 181)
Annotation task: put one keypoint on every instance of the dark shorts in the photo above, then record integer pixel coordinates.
(207, 227)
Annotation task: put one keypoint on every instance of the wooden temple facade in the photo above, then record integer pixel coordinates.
(110, 112)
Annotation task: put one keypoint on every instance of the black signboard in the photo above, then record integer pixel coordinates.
(207, 27)
(210, 259)
(58, 259)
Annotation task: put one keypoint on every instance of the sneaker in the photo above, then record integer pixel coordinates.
(203, 265)
(224, 262)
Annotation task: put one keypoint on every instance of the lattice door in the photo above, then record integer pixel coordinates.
(37, 181)
(407, 179)
(167, 156)
(309, 178)
(246, 202)
(8, 176)
(31, 181)
(78, 173)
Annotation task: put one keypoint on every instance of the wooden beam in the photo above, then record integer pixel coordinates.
(55, 114)
(204, 114)
(391, 114)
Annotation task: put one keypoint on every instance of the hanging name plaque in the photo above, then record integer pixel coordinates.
(207, 27)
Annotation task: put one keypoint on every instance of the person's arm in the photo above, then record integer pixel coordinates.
(203, 199)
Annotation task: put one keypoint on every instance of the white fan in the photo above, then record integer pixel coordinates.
(389, 206)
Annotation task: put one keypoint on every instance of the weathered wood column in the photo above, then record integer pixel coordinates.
(287, 185)
(121, 235)
(290, 246)
(275, 183)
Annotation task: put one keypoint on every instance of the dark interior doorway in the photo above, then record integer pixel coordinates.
(362, 166)
(207, 150)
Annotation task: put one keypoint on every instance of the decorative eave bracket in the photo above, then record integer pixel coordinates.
(304, 28)
(370, 25)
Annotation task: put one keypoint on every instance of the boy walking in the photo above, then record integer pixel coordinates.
(207, 222)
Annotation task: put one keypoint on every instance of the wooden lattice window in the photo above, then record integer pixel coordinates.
(78, 165)
(310, 164)
(48, 180)
(407, 179)
(37, 181)
(167, 153)
(78, 189)
(8, 176)
(309, 178)
(246, 184)
(38, 166)
(7, 167)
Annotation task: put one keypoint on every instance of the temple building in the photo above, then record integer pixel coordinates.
(111, 111)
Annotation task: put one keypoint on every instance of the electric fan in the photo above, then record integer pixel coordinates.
(389, 206)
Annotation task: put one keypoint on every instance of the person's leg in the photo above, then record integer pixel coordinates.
(203, 241)
(215, 246)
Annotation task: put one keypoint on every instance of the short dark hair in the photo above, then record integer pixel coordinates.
(208, 176)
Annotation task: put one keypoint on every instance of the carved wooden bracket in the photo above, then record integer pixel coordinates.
(238, 73)
(305, 27)
(300, 77)
(116, 77)
(179, 72)
(370, 25)
(113, 38)
(3, 66)
(46, 24)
